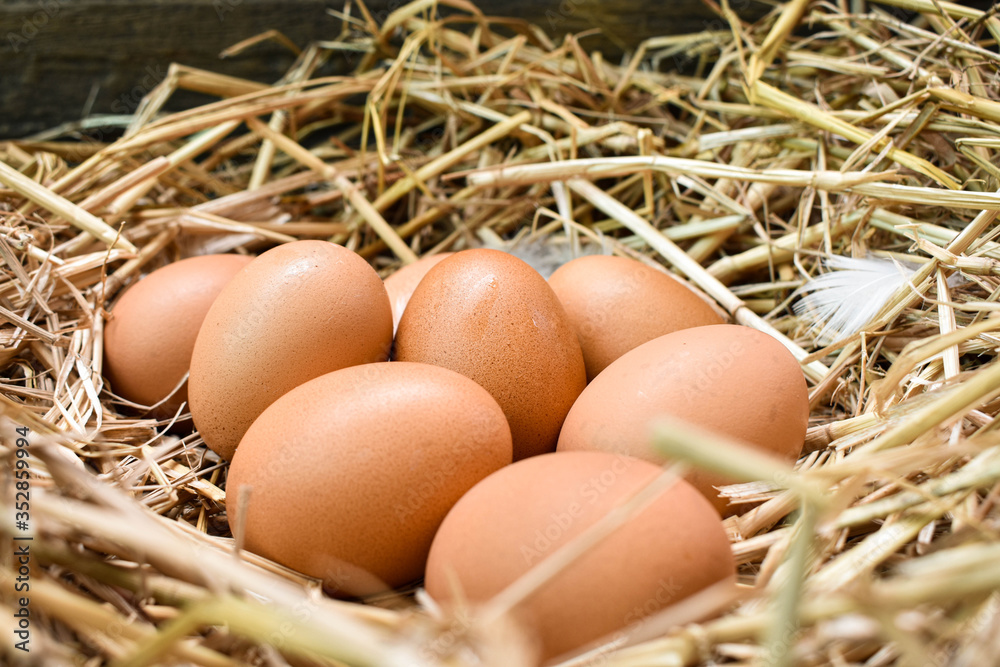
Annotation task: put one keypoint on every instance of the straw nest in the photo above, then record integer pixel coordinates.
(812, 133)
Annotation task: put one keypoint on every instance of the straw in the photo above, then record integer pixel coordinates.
(66, 210)
(823, 129)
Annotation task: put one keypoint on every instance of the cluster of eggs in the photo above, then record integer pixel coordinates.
(513, 416)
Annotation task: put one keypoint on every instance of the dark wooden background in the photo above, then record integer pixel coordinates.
(60, 59)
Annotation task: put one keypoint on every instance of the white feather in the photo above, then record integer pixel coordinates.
(841, 302)
(543, 256)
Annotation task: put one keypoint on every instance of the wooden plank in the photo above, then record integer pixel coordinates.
(62, 58)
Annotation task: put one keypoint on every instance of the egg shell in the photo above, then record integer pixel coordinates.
(491, 317)
(350, 474)
(616, 304)
(400, 285)
(150, 335)
(730, 379)
(298, 311)
(521, 515)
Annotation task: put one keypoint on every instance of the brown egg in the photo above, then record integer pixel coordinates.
(521, 515)
(400, 285)
(492, 318)
(298, 311)
(616, 304)
(150, 335)
(350, 474)
(730, 379)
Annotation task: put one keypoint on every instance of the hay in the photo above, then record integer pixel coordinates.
(866, 133)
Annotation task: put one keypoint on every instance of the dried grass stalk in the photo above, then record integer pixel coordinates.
(775, 148)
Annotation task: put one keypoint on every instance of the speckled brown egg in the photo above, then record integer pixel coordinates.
(150, 334)
(616, 304)
(298, 311)
(350, 474)
(400, 285)
(726, 378)
(493, 318)
(518, 517)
